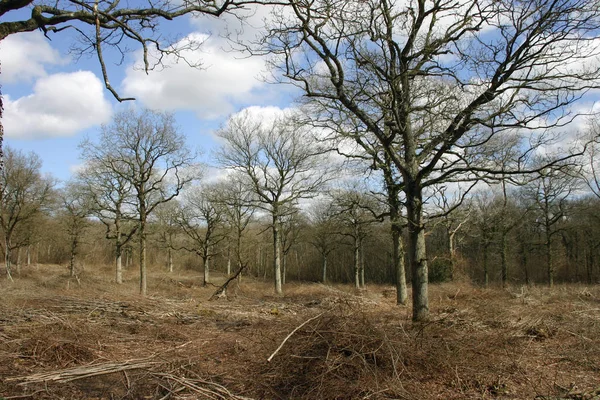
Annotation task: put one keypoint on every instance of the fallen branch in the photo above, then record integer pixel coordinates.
(71, 374)
(292, 333)
(223, 288)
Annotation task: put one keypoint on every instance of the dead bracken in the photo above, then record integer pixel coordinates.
(95, 340)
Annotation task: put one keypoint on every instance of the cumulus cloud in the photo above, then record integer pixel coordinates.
(24, 55)
(60, 105)
(225, 80)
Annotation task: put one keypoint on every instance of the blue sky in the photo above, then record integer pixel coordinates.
(53, 101)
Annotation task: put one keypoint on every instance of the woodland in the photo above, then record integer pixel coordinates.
(424, 224)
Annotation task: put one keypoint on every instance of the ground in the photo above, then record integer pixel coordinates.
(88, 338)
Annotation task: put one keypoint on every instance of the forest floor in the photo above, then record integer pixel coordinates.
(63, 338)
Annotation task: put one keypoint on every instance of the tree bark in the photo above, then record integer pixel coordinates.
(118, 266)
(399, 267)
(169, 260)
(524, 252)
(277, 255)
(324, 278)
(396, 230)
(206, 263)
(228, 261)
(143, 272)
(19, 261)
(72, 259)
(356, 261)
(417, 253)
(7, 259)
(283, 268)
(451, 251)
(362, 264)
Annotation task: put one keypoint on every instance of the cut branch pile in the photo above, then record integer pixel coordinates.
(334, 355)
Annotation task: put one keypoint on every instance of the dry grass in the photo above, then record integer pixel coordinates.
(64, 339)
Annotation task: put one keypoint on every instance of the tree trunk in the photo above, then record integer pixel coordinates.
(324, 279)
(298, 269)
(228, 261)
(524, 251)
(206, 263)
(362, 264)
(504, 266)
(417, 251)
(7, 258)
(143, 272)
(128, 257)
(398, 260)
(277, 255)
(19, 261)
(169, 259)
(29, 255)
(118, 266)
(356, 260)
(396, 231)
(72, 259)
(283, 268)
(451, 251)
(549, 261)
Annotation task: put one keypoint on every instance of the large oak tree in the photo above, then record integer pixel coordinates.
(430, 82)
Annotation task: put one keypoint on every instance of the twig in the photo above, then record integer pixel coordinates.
(128, 383)
(291, 333)
(23, 396)
(209, 390)
(578, 335)
(171, 392)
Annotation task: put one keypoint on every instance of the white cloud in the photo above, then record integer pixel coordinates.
(23, 57)
(212, 92)
(60, 105)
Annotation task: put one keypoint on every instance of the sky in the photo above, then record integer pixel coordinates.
(53, 99)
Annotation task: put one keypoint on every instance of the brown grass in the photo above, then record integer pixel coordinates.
(96, 340)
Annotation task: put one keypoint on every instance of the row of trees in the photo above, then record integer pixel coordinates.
(140, 177)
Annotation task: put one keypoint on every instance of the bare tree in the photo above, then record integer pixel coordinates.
(238, 207)
(549, 194)
(75, 209)
(452, 217)
(323, 233)
(150, 155)
(291, 227)
(282, 164)
(590, 163)
(432, 81)
(355, 211)
(111, 198)
(167, 228)
(201, 219)
(24, 194)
